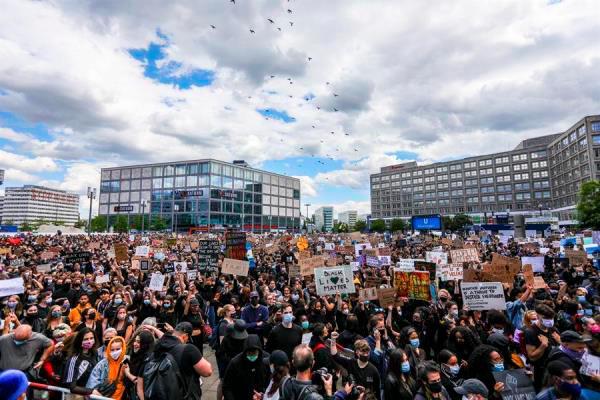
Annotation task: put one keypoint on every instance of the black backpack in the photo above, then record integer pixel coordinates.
(296, 391)
(162, 378)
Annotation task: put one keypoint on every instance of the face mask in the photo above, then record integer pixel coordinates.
(295, 298)
(345, 311)
(588, 312)
(118, 301)
(572, 353)
(305, 324)
(92, 315)
(548, 323)
(66, 306)
(20, 342)
(405, 367)
(415, 342)
(454, 369)
(574, 389)
(443, 299)
(287, 319)
(498, 330)
(435, 387)
(254, 301)
(580, 313)
(12, 304)
(88, 344)
(595, 329)
(166, 305)
(581, 299)
(533, 321)
(56, 314)
(252, 358)
(454, 313)
(106, 342)
(32, 299)
(121, 317)
(363, 357)
(498, 367)
(32, 315)
(146, 301)
(272, 369)
(399, 310)
(115, 354)
(49, 301)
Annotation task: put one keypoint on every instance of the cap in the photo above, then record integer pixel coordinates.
(185, 327)
(571, 337)
(194, 302)
(278, 358)
(239, 330)
(253, 294)
(472, 386)
(13, 384)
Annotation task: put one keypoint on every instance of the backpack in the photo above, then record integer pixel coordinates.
(162, 378)
(213, 340)
(304, 393)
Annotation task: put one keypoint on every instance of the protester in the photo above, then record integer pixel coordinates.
(13, 385)
(248, 373)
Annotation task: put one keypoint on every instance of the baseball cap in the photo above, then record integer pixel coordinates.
(13, 384)
(254, 294)
(472, 386)
(239, 329)
(278, 358)
(571, 337)
(185, 327)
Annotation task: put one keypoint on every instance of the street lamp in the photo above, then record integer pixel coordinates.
(175, 211)
(143, 204)
(91, 194)
(307, 205)
(540, 206)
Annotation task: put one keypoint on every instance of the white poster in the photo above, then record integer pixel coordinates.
(450, 272)
(510, 233)
(180, 266)
(537, 263)
(373, 261)
(329, 247)
(480, 296)
(530, 233)
(11, 286)
(544, 250)
(331, 280)
(100, 279)
(142, 251)
(157, 280)
(359, 247)
(385, 260)
(405, 265)
(437, 257)
(590, 364)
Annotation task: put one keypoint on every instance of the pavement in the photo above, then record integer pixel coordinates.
(209, 385)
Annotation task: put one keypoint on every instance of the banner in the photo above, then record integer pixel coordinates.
(79, 257)
(235, 267)
(464, 255)
(517, 385)
(235, 245)
(156, 282)
(11, 286)
(414, 285)
(142, 251)
(437, 257)
(333, 280)
(483, 296)
(208, 255)
(308, 265)
(537, 263)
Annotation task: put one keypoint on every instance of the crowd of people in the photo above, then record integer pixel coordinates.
(95, 327)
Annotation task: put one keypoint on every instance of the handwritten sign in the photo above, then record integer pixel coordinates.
(590, 364)
(235, 267)
(386, 296)
(208, 255)
(537, 263)
(464, 255)
(479, 296)
(157, 281)
(406, 265)
(142, 251)
(11, 286)
(308, 265)
(333, 280)
(451, 272)
(121, 252)
(517, 385)
(367, 294)
(576, 257)
(437, 257)
(235, 245)
(79, 257)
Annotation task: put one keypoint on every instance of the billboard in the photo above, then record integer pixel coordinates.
(427, 222)
(1, 176)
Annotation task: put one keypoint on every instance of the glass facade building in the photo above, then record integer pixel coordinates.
(202, 194)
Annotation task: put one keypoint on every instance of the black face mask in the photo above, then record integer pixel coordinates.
(254, 301)
(363, 357)
(435, 387)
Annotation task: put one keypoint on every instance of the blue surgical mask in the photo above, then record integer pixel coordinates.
(20, 342)
(305, 324)
(118, 301)
(548, 323)
(146, 301)
(574, 389)
(580, 313)
(288, 318)
(454, 369)
(581, 299)
(405, 367)
(252, 358)
(32, 299)
(498, 367)
(295, 298)
(498, 330)
(415, 342)
(588, 312)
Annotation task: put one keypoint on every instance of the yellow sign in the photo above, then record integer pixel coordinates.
(302, 243)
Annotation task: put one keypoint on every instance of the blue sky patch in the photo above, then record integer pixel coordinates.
(276, 114)
(306, 165)
(17, 124)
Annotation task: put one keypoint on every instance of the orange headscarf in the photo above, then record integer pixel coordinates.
(113, 367)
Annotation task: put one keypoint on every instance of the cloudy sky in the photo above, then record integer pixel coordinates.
(329, 92)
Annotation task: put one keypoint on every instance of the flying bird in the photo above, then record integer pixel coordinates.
(291, 83)
(279, 29)
(355, 150)
(332, 132)
(291, 23)
(232, 1)
(318, 108)
(335, 109)
(335, 95)
(313, 126)
(289, 11)
(272, 76)
(291, 96)
(214, 27)
(309, 58)
(327, 83)
(251, 31)
(270, 20)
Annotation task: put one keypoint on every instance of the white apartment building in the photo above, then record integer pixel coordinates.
(324, 218)
(32, 203)
(348, 217)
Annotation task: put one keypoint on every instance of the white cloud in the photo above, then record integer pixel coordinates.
(23, 163)
(308, 187)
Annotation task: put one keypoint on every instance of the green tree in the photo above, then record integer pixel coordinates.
(120, 224)
(340, 227)
(378, 226)
(81, 224)
(158, 223)
(26, 227)
(588, 206)
(360, 225)
(460, 220)
(397, 225)
(448, 223)
(99, 223)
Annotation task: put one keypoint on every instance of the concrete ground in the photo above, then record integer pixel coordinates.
(209, 385)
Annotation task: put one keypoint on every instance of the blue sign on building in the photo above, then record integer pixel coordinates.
(427, 222)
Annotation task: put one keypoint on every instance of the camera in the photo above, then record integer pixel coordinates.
(356, 390)
(317, 378)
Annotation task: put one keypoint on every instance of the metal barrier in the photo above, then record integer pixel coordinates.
(42, 392)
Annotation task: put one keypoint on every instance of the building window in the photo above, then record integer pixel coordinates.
(501, 160)
(595, 139)
(519, 157)
(485, 163)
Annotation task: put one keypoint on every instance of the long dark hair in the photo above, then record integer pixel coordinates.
(280, 372)
(396, 360)
(75, 346)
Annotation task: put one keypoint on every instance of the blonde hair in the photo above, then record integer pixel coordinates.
(221, 311)
(527, 318)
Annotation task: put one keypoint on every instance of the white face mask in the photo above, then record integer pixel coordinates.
(115, 354)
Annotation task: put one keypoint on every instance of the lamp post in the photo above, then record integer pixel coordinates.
(91, 194)
(540, 206)
(306, 219)
(175, 210)
(143, 204)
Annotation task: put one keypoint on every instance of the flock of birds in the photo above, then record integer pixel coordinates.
(306, 98)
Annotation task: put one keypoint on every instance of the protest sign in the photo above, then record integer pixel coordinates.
(208, 255)
(346, 250)
(360, 247)
(537, 263)
(370, 252)
(596, 237)
(426, 266)
(142, 251)
(373, 281)
(385, 251)
(539, 282)
(144, 265)
(157, 281)
(355, 236)
(329, 247)
(121, 250)
(479, 296)
(590, 364)
(17, 263)
(235, 245)
(367, 294)
(528, 274)
(43, 267)
(180, 266)
(94, 246)
(405, 265)
(79, 257)
(235, 267)
(437, 257)
(517, 385)
(464, 255)
(544, 250)
(576, 257)
(386, 296)
(135, 263)
(48, 255)
(157, 243)
(451, 272)
(294, 271)
(192, 275)
(414, 285)
(333, 280)
(502, 268)
(169, 269)
(308, 265)
(302, 243)
(330, 259)
(11, 286)
(373, 261)
(385, 261)
(100, 279)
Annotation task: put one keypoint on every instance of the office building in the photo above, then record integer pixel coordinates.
(348, 217)
(324, 219)
(540, 174)
(32, 203)
(202, 195)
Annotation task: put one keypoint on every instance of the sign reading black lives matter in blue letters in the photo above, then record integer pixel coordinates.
(331, 280)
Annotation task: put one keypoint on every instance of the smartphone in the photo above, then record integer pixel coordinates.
(161, 325)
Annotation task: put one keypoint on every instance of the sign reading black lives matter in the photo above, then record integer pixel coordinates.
(79, 257)
(331, 280)
(235, 245)
(517, 386)
(208, 255)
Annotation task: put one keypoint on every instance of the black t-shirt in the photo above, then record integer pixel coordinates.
(285, 339)
(531, 338)
(367, 377)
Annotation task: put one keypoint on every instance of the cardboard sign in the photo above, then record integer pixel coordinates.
(528, 274)
(144, 265)
(121, 254)
(135, 263)
(406, 265)
(100, 279)
(517, 385)
(43, 267)
(346, 250)
(414, 285)
(17, 263)
(333, 280)
(329, 247)
(386, 297)
(360, 247)
(192, 275)
(308, 265)
(235, 267)
(451, 272)
(79, 257)
(235, 245)
(539, 282)
(94, 246)
(590, 364)
(373, 281)
(370, 252)
(4, 251)
(157, 281)
(208, 255)
(446, 242)
(367, 294)
(576, 257)
(48, 255)
(464, 255)
(142, 251)
(480, 296)
(502, 269)
(437, 257)
(294, 271)
(385, 251)
(537, 263)
(11, 286)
